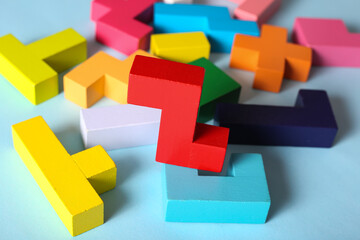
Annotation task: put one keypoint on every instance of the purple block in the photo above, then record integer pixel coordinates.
(311, 123)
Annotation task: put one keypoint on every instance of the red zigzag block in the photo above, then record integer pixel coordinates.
(176, 89)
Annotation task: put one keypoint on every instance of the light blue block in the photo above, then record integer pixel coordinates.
(214, 21)
(240, 197)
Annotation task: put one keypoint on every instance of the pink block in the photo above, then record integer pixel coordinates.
(256, 10)
(121, 24)
(332, 43)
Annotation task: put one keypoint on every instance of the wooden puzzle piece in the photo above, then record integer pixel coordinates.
(311, 123)
(122, 24)
(175, 88)
(271, 58)
(256, 10)
(180, 47)
(240, 197)
(120, 126)
(68, 182)
(97, 167)
(214, 21)
(332, 43)
(100, 75)
(217, 87)
(32, 69)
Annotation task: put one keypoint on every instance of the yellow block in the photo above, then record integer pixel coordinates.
(100, 75)
(62, 177)
(98, 168)
(32, 68)
(180, 47)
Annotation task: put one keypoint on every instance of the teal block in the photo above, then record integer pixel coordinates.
(218, 87)
(214, 21)
(240, 197)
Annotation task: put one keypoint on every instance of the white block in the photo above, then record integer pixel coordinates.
(120, 126)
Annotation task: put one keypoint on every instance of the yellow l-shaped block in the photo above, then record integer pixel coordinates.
(70, 183)
(32, 69)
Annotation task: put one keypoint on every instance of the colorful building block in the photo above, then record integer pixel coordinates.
(271, 58)
(240, 197)
(217, 87)
(214, 21)
(256, 10)
(180, 47)
(68, 182)
(97, 167)
(122, 24)
(100, 75)
(332, 44)
(311, 123)
(120, 126)
(175, 88)
(32, 69)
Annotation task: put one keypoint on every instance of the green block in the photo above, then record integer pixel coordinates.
(218, 87)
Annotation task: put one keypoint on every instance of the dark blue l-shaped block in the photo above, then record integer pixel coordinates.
(311, 123)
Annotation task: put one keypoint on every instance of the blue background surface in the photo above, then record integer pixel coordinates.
(315, 192)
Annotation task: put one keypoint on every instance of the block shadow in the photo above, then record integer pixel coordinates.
(342, 116)
(116, 200)
(71, 139)
(285, 8)
(93, 46)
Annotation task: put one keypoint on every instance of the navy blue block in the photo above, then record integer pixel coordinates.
(311, 123)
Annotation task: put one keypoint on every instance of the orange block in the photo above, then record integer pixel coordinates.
(100, 75)
(271, 57)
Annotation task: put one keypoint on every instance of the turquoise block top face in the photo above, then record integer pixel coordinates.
(240, 197)
(214, 21)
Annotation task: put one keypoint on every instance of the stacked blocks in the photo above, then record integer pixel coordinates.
(70, 183)
(311, 123)
(240, 197)
(175, 88)
(120, 126)
(32, 69)
(217, 87)
(256, 10)
(180, 47)
(214, 21)
(332, 43)
(121, 24)
(271, 57)
(100, 75)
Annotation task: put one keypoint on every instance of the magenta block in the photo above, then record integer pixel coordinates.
(122, 24)
(332, 43)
